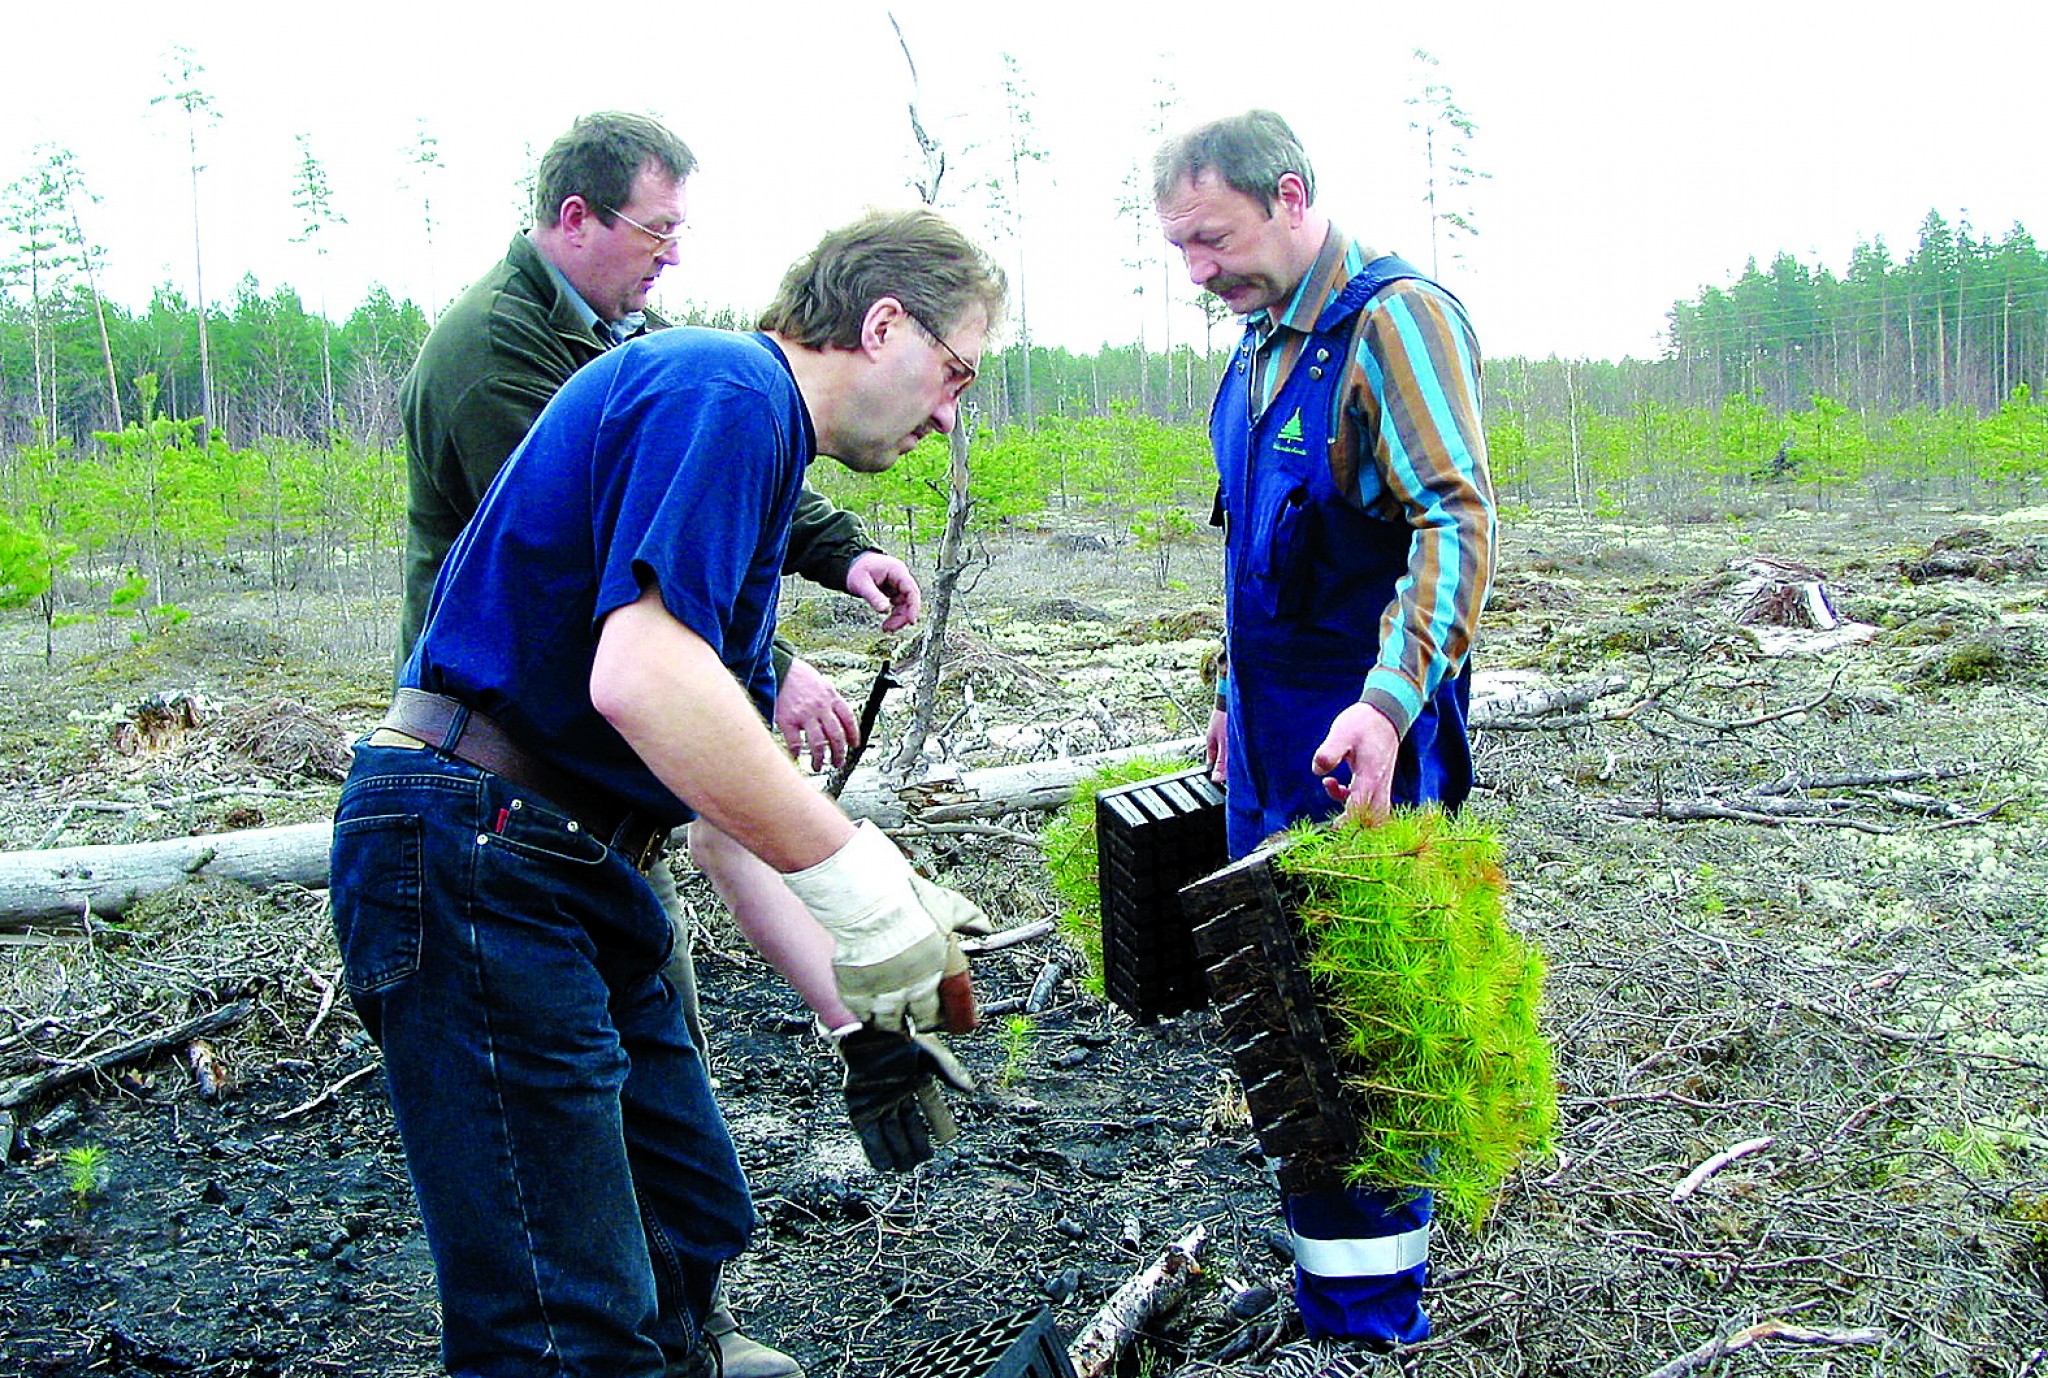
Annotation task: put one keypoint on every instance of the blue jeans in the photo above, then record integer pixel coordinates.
(577, 1182)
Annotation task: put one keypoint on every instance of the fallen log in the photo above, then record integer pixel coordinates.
(1135, 1305)
(1510, 712)
(62, 885)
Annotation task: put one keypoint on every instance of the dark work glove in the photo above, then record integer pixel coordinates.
(892, 1095)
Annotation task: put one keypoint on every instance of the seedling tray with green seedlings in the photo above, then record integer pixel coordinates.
(1380, 1011)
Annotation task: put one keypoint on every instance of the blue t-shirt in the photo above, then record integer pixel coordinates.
(675, 460)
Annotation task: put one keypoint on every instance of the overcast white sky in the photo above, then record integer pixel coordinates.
(1636, 151)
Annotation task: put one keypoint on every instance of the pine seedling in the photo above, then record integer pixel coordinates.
(1016, 1049)
(1069, 846)
(85, 1172)
(1431, 999)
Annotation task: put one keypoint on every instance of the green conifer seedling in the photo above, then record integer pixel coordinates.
(1431, 1000)
(85, 1171)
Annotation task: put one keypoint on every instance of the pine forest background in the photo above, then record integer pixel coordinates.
(142, 449)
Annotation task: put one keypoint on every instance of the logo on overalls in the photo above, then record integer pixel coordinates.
(1289, 440)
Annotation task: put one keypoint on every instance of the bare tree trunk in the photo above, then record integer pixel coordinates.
(326, 376)
(45, 388)
(952, 563)
(100, 310)
(1579, 484)
(199, 304)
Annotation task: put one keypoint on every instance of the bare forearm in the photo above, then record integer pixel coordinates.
(772, 920)
(668, 694)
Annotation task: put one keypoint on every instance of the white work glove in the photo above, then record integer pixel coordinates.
(892, 930)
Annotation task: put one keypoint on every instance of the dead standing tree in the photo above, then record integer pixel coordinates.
(959, 502)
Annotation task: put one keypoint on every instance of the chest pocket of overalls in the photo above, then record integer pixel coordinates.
(1288, 493)
(1284, 523)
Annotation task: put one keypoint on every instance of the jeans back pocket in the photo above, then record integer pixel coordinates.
(375, 889)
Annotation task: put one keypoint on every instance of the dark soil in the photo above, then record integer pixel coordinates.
(230, 1240)
(1866, 987)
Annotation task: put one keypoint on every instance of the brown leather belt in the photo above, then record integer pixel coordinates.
(453, 728)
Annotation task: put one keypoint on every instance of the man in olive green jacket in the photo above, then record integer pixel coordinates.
(496, 357)
(609, 208)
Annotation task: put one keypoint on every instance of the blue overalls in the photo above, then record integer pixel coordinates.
(1307, 576)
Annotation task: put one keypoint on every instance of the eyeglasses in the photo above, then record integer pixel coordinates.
(661, 241)
(962, 375)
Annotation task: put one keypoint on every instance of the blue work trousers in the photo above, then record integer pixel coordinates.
(577, 1183)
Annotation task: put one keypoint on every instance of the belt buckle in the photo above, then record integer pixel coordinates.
(650, 848)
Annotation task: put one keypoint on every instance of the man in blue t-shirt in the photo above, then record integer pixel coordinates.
(610, 204)
(594, 670)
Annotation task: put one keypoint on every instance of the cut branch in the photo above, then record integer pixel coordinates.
(1135, 1305)
(1707, 808)
(1762, 1330)
(1800, 784)
(1697, 1178)
(1760, 719)
(21, 1090)
(312, 1103)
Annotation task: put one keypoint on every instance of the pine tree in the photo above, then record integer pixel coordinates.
(314, 201)
(182, 74)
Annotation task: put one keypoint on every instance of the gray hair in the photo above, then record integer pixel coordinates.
(1250, 152)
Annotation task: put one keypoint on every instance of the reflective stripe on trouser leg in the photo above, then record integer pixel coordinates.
(1361, 1259)
(1343, 1258)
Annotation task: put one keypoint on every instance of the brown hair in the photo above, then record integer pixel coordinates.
(599, 158)
(916, 256)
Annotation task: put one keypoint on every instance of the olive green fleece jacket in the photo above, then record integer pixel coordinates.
(487, 369)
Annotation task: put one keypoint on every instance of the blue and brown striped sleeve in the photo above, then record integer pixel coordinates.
(1414, 393)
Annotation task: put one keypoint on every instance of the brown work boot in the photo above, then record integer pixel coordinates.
(740, 1357)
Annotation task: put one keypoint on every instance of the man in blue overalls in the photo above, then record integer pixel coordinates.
(1358, 544)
